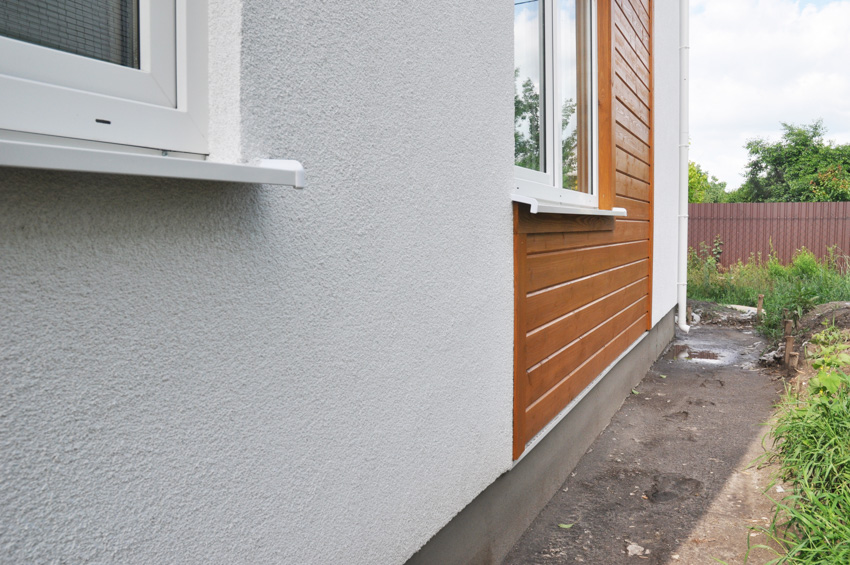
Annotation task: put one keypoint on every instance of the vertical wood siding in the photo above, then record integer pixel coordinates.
(762, 228)
(583, 284)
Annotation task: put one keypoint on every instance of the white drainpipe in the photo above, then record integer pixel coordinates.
(683, 165)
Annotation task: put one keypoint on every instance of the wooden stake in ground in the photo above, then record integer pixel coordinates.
(759, 308)
(793, 358)
(789, 348)
(788, 326)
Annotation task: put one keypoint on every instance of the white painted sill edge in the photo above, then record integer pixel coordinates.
(541, 206)
(56, 157)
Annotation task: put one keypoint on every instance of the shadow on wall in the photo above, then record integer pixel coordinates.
(101, 212)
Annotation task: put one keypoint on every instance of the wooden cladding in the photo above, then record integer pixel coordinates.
(583, 283)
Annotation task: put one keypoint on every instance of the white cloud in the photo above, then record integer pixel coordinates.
(527, 57)
(756, 63)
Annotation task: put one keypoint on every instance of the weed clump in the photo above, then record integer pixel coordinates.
(797, 287)
(812, 446)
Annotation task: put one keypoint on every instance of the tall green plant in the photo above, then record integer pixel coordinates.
(797, 287)
(812, 446)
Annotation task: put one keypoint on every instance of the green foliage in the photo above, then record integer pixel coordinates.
(830, 336)
(569, 146)
(800, 167)
(527, 146)
(703, 188)
(831, 185)
(797, 287)
(527, 112)
(812, 446)
(804, 264)
(828, 365)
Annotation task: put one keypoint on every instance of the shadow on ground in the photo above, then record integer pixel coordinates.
(672, 462)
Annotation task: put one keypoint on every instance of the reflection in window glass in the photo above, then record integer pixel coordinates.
(573, 74)
(529, 138)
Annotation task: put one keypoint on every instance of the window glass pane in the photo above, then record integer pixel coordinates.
(573, 77)
(529, 147)
(107, 30)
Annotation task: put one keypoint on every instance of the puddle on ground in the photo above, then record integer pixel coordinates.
(683, 353)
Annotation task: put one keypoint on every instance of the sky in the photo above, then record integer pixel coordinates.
(526, 38)
(757, 63)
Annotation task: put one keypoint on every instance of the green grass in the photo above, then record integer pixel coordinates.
(797, 287)
(812, 447)
(811, 434)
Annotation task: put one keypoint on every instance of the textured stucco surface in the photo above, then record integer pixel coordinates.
(213, 373)
(665, 58)
(225, 80)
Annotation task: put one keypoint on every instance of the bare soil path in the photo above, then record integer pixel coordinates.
(671, 480)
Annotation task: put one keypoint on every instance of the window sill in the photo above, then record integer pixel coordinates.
(543, 206)
(61, 158)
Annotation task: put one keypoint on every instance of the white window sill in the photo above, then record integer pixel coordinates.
(543, 206)
(83, 159)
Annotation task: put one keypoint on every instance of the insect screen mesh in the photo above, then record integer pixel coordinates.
(107, 30)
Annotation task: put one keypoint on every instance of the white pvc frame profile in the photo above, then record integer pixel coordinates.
(547, 186)
(162, 105)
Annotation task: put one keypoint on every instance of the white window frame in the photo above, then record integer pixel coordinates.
(161, 106)
(66, 112)
(536, 186)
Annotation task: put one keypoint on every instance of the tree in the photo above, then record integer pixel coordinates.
(569, 146)
(527, 111)
(703, 188)
(527, 145)
(800, 167)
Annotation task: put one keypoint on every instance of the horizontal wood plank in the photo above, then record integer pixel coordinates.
(629, 143)
(549, 269)
(637, 20)
(631, 81)
(632, 166)
(548, 339)
(543, 307)
(632, 187)
(638, 209)
(544, 376)
(623, 232)
(641, 4)
(626, 119)
(621, 22)
(638, 107)
(560, 223)
(642, 14)
(621, 45)
(556, 398)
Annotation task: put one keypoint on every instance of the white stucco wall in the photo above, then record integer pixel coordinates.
(665, 58)
(211, 373)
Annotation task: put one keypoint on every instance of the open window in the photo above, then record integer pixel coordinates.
(556, 122)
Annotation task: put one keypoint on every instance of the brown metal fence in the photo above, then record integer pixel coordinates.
(780, 227)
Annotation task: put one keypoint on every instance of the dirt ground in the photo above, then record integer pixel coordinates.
(822, 316)
(672, 479)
